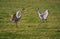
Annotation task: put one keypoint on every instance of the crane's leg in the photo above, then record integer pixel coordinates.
(16, 24)
(46, 20)
(43, 20)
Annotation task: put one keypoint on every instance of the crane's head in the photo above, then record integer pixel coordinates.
(22, 10)
(37, 9)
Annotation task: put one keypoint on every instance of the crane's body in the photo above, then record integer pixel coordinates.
(44, 15)
(16, 16)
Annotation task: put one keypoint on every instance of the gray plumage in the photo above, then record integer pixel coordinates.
(15, 17)
(44, 15)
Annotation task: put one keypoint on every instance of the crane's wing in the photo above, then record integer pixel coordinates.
(39, 13)
(18, 14)
(45, 14)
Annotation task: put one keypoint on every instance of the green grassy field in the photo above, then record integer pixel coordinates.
(30, 26)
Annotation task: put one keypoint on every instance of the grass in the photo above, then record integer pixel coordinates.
(30, 26)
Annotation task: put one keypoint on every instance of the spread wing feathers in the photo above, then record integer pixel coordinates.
(39, 13)
(18, 14)
(45, 14)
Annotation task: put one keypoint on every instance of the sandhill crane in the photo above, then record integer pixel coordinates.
(16, 16)
(44, 15)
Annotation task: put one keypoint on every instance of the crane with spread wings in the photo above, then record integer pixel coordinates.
(44, 15)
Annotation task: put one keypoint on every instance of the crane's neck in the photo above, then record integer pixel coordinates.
(21, 11)
(39, 12)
